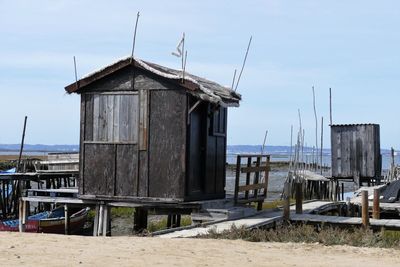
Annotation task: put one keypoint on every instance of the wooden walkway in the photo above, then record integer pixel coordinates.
(345, 221)
(270, 218)
(261, 219)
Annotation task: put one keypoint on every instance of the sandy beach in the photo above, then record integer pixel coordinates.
(57, 250)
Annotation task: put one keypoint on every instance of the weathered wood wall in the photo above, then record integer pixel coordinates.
(167, 146)
(356, 151)
(63, 161)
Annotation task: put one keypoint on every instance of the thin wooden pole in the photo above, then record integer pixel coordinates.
(101, 220)
(330, 105)
(265, 139)
(364, 206)
(238, 163)
(244, 62)
(106, 217)
(322, 141)
(66, 220)
(76, 74)
(286, 202)
(134, 36)
(233, 80)
(96, 221)
(291, 148)
(299, 198)
(376, 208)
(21, 216)
(22, 145)
(316, 124)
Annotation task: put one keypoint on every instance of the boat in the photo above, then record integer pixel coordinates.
(49, 222)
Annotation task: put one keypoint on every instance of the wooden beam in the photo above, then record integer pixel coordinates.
(252, 187)
(364, 206)
(254, 169)
(376, 208)
(286, 203)
(299, 198)
(67, 220)
(96, 221)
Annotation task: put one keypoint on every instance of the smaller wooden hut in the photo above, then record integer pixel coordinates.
(356, 152)
(151, 133)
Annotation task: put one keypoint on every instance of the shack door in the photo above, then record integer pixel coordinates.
(197, 151)
(110, 144)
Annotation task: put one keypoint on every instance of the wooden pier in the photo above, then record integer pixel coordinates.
(270, 218)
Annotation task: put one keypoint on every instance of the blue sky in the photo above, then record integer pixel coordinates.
(351, 46)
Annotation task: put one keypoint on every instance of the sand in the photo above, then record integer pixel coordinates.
(57, 250)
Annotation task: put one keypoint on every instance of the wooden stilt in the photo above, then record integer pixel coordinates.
(96, 221)
(169, 221)
(22, 215)
(140, 219)
(376, 208)
(101, 218)
(67, 220)
(299, 198)
(286, 204)
(365, 212)
(106, 219)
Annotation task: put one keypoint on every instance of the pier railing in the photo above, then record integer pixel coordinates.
(254, 187)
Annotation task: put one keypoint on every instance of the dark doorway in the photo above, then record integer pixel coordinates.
(197, 136)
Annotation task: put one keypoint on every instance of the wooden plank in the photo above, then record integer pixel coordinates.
(88, 117)
(103, 116)
(237, 179)
(252, 187)
(250, 200)
(126, 170)
(143, 183)
(167, 159)
(96, 115)
(254, 169)
(220, 175)
(133, 124)
(144, 119)
(148, 81)
(210, 174)
(99, 169)
(115, 123)
(81, 140)
(120, 80)
(123, 116)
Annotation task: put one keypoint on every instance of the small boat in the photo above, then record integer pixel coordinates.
(48, 222)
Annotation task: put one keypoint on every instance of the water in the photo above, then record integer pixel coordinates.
(277, 177)
(326, 159)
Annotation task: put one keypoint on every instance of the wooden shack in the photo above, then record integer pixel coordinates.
(151, 133)
(356, 152)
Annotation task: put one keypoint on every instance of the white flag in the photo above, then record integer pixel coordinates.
(178, 52)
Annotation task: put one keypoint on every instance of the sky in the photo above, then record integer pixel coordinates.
(349, 46)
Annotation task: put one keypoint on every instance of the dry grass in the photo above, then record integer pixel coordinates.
(325, 235)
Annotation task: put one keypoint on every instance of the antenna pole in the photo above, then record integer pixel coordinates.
(134, 36)
(184, 67)
(233, 81)
(76, 74)
(265, 139)
(322, 140)
(330, 104)
(244, 62)
(316, 124)
(22, 146)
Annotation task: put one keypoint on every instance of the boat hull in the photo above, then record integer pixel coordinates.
(48, 225)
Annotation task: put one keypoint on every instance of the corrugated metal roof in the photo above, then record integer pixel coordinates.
(202, 88)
